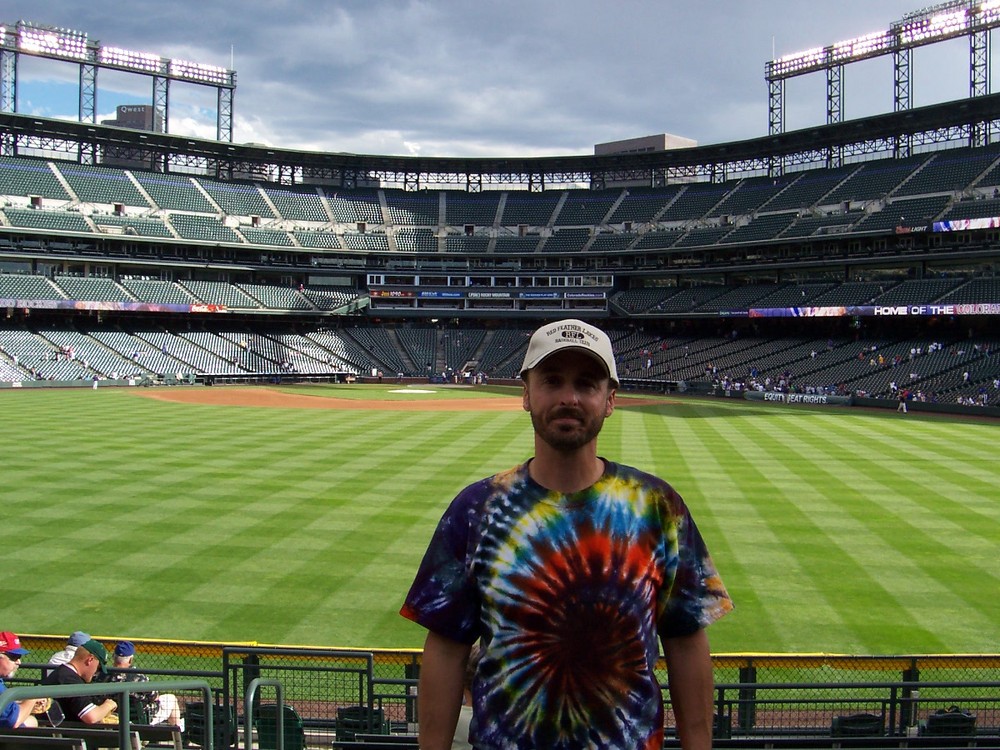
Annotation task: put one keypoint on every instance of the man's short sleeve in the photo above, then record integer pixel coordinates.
(443, 597)
(697, 597)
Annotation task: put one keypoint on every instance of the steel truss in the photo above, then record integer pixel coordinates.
(953, 122)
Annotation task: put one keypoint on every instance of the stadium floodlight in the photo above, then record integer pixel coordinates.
(930, 28)
(116, 56)
(798, 62)
(860, 47)
(52, 42)
(988, 11)
(200, 73)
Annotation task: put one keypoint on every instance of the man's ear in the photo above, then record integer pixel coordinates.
(525, 399)
(610, 406)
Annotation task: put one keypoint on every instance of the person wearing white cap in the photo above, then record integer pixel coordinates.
(571, 570)
(76, 639)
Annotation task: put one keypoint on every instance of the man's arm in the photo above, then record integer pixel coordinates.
(439, 693)
(96, 714)
(689, 671)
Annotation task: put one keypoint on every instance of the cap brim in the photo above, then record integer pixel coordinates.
(18, 651)
(570, 348)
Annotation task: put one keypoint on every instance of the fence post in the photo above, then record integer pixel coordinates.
(747, 709)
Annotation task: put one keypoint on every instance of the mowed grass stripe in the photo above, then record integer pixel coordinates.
(925, 507)
(291, 525)
(841, 544)
(720, 478)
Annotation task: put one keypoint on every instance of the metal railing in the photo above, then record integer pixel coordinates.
(124, 689)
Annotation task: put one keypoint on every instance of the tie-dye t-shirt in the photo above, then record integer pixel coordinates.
(569, 594)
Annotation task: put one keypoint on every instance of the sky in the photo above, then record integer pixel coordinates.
(479, 77)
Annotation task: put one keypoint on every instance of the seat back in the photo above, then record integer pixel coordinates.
(266, 721)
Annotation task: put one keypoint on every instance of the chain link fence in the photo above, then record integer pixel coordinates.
(334, 693)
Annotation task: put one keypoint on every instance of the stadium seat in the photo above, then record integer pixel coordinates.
(950, 722)
(266, 721)
(858, 725)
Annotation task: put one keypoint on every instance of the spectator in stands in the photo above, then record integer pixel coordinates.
(89, 660)
(571, 570)
(151, 707)
(78, 638)
(17, 713)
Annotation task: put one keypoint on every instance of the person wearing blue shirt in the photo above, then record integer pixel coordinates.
(15, 714)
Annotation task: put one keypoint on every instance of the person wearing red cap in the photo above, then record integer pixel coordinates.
(16, 714)
(571, 571)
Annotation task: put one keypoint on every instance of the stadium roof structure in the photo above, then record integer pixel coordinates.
(972, 121)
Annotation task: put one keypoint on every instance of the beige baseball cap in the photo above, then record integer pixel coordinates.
(571, 334)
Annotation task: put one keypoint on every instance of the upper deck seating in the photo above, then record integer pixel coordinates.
(303, 204)
(658, 239)
(27, 177)
(97, 288)
(101, 185)
(610, 242)
(237, 198)
(478, 209)
(366, 241)
(916, 291)
(142, 226)
(277, 297)
(586, 207)
(466, 244)
(220, 293)
(266, 236)
(420, 209)
(875, 179)
(507, 244)
(761, 228)
(950, 171)
(567, 241)
(914, 212)
(18, 286)
(529, 209)
(207, 228)
(174, 192)
(643, 205)
(750, 195)
(157, 291)
(317, 239)
(973, 209)
(981, 290)
(696, 201)
(351, 207)
(809, 188)
(807, 226)
(703, 236)
(58, 221)
(416, 240)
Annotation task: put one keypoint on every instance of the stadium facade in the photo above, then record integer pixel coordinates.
(847, 250)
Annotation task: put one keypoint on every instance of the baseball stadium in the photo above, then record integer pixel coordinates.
(240, 385)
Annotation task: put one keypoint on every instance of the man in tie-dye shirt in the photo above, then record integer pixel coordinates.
(570, 570)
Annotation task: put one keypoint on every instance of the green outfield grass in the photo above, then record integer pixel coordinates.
(836, 530)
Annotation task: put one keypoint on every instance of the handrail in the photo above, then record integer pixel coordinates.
(248, 710)
(124, 689)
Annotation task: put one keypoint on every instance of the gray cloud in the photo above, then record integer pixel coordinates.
(522, 77)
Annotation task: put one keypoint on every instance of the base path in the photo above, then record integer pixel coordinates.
(265, 397)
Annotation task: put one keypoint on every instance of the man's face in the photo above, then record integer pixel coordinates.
(568, 396)
(9, 664)
(90, 666)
